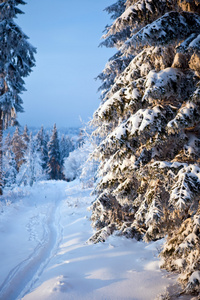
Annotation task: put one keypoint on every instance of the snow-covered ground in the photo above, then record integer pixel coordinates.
(44, 254)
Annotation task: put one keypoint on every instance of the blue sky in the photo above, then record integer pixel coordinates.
(61, 88)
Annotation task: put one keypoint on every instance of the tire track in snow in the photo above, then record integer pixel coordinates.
(22, 278)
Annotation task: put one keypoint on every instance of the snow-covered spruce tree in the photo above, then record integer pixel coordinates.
(54, 167)
(79, 164)
(9, 168)
(115, 64)
(19, 147)
(89, 167)
(31, 170)
(73, 163)
(130, 17)
(66, 146)
(25, 137)
(181, 253)
(16, 62)
(42, 141)
(149, 174)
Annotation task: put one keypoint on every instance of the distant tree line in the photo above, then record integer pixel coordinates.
(28, 158)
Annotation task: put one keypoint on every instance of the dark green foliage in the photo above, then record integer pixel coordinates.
(54, 162)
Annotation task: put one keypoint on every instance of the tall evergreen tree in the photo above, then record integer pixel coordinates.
(149, 118)
(9, 163)
(18, 148)
(7, 143)
(54, 167)
(42, 141)
(115, 64)
(16, 62)
(66, 146)
(31, 170)
(25, 136)
(9, 168)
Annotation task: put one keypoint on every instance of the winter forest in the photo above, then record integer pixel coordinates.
(131, 174)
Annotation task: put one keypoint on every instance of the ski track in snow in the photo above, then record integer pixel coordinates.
(22, 278)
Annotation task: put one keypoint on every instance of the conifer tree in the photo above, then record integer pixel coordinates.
(31, 170)
(54, 167)
(7, 142)
(9, 168)
(25, 137)
(115, 64)
(16, 62)
(148, 120)
(42, 140)
(9, 163)
(18, 148)
(66, 146)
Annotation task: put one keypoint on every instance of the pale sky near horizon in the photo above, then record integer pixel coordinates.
(61, 89)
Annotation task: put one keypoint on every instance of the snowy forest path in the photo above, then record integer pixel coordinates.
(25, 274)
(45, 255)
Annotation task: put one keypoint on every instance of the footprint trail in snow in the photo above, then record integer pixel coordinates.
(44, 254)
